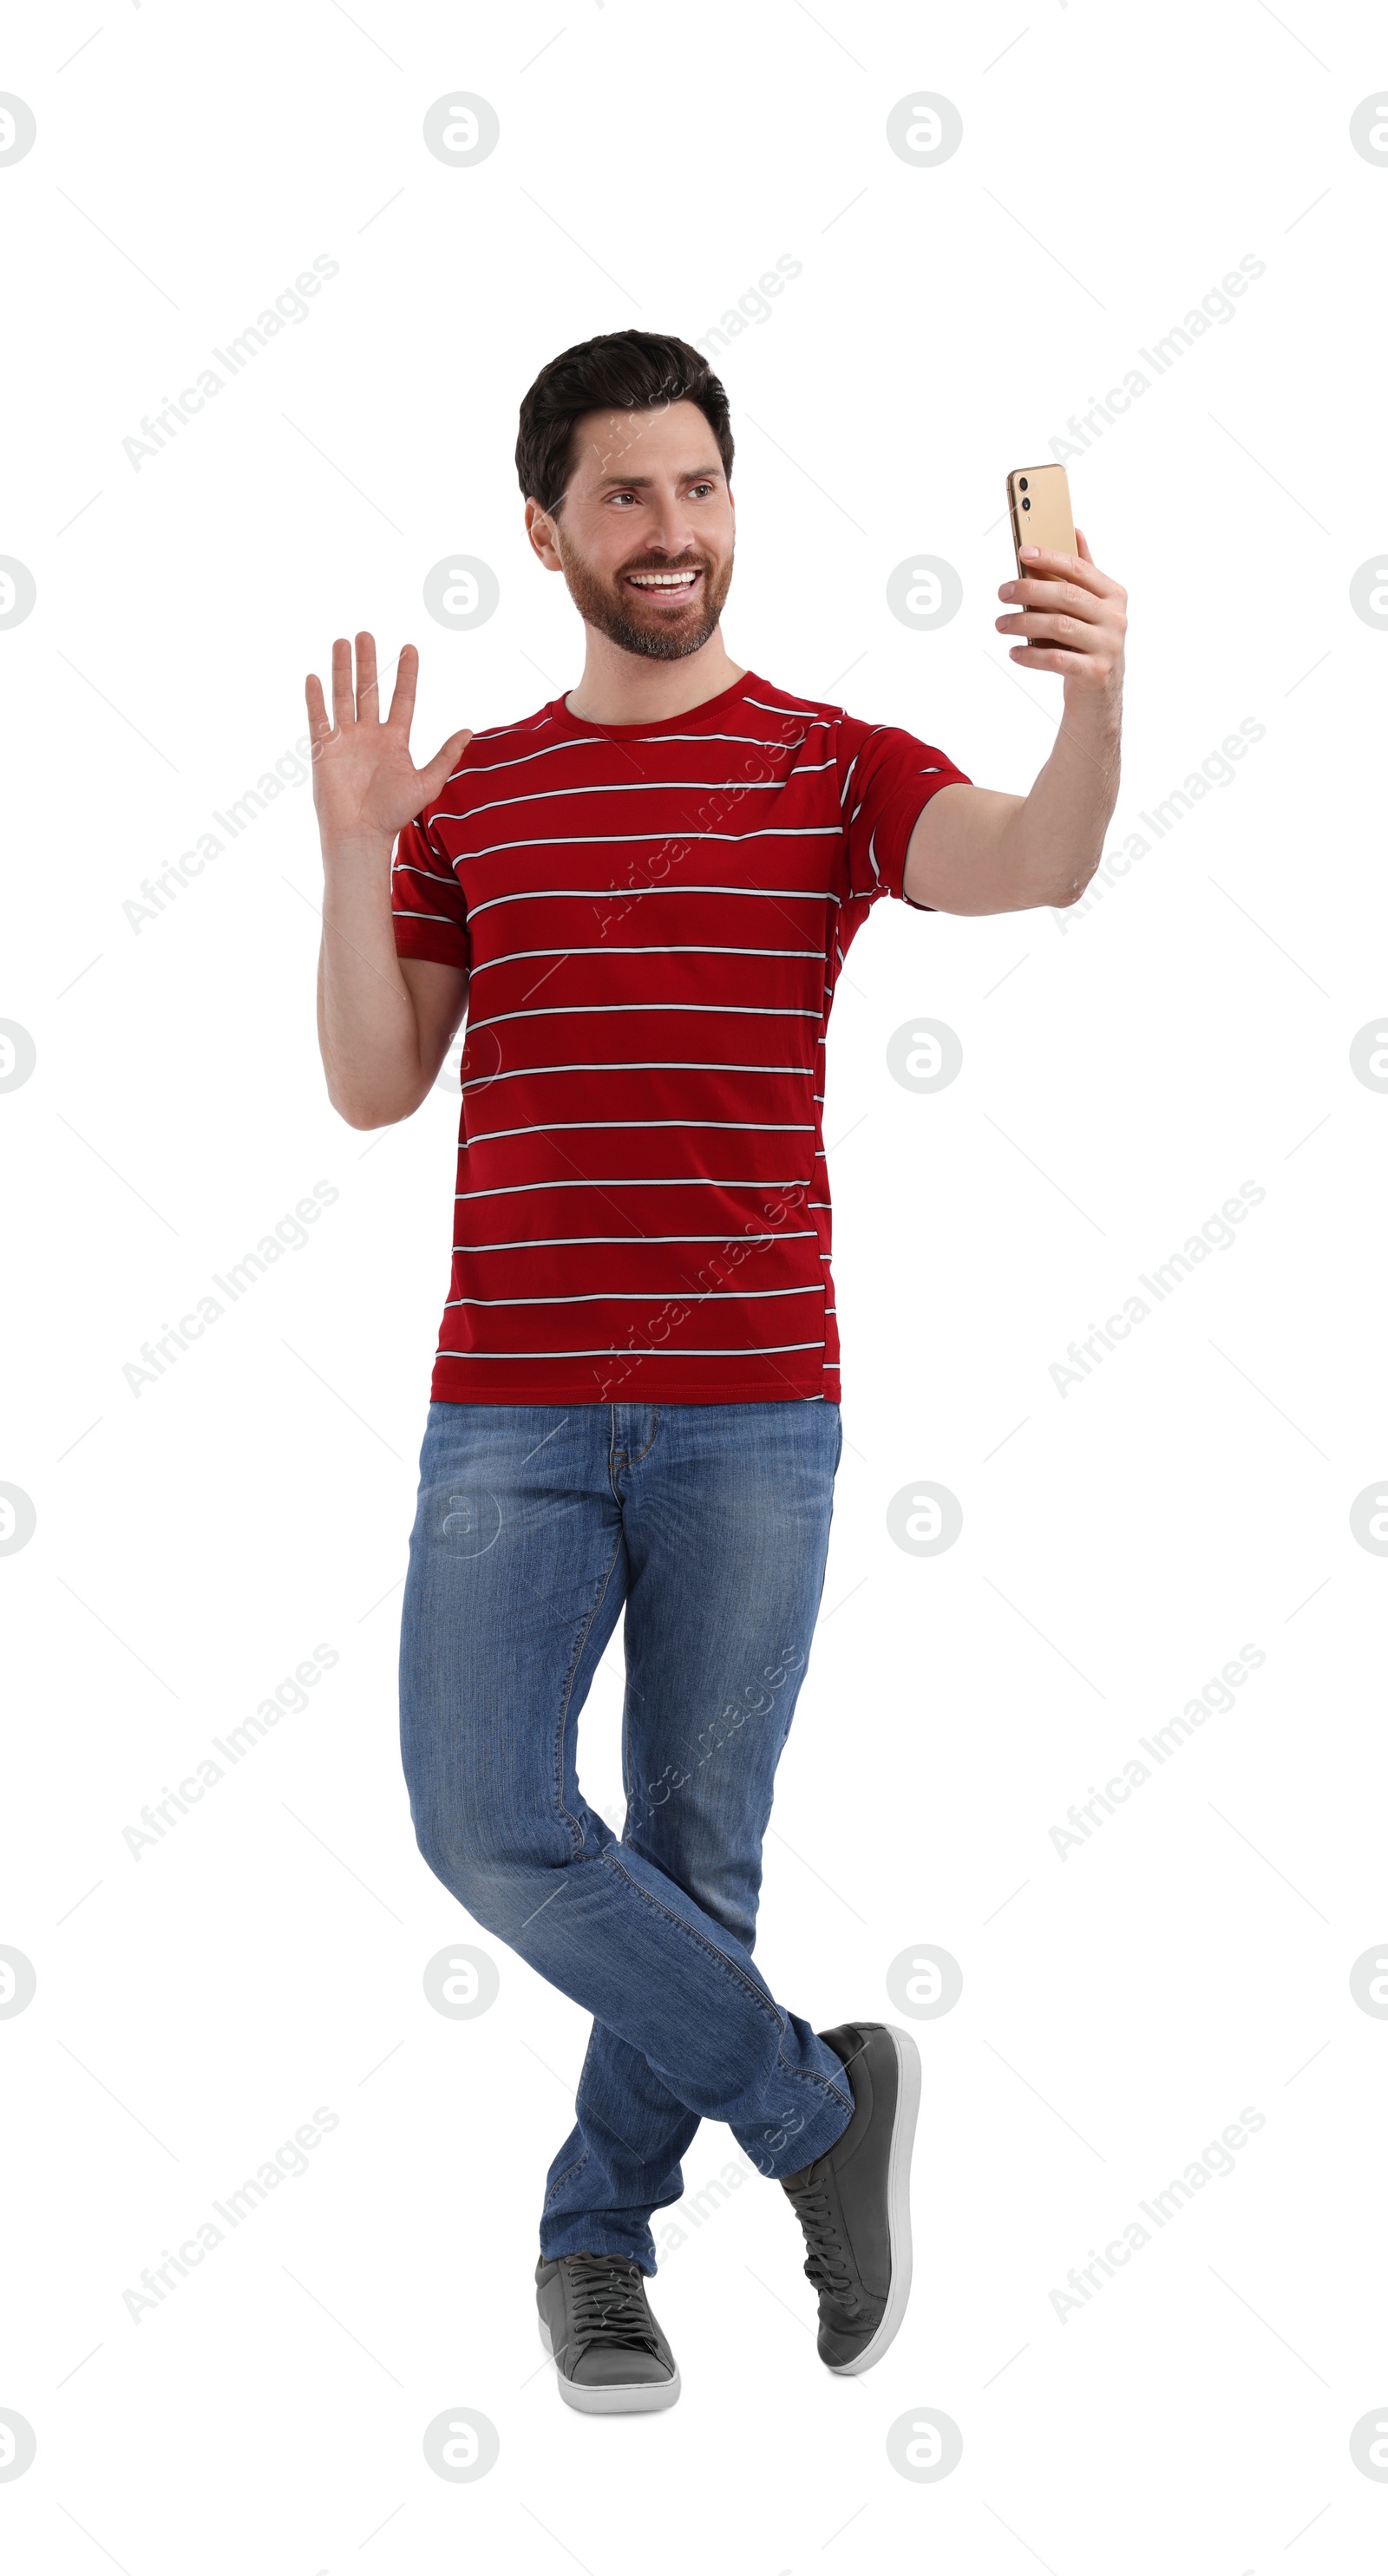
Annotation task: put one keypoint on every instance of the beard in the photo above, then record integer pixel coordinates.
(659, 635)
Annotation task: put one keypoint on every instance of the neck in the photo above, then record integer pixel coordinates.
(618, 687)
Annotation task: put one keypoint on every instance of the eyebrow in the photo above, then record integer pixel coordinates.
(643, 482)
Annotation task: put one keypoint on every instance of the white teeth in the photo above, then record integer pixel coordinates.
(661, 580)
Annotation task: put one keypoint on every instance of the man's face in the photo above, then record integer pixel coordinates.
(647, 499)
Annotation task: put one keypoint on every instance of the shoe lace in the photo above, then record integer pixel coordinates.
(608, 2304)
(827, 2266)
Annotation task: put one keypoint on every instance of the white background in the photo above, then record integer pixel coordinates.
(1125, 1070)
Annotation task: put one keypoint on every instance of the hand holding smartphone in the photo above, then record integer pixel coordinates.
(1081, 637)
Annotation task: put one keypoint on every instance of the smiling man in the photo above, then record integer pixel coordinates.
(642, 894)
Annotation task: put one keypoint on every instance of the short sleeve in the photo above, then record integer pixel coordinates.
(889, 779)
(426, 901)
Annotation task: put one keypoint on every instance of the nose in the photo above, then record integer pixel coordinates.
(670, 532)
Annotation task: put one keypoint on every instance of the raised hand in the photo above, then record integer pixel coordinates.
(365, 784)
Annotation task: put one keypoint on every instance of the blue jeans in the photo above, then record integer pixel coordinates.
(536, 1524)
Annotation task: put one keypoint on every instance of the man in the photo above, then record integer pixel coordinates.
(643, 894)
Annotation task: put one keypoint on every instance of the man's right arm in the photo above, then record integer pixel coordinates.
(384, 1022)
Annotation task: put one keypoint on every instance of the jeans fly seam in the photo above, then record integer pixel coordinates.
(655, 1426)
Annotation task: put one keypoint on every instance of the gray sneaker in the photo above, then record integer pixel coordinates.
(609, 2354)
(854, 2203)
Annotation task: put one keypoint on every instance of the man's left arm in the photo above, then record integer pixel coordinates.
(973, 849)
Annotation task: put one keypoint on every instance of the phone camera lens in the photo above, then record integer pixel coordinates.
(1021, 483)
(1026, 505)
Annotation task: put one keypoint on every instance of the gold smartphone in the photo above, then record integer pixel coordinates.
(1038, 497)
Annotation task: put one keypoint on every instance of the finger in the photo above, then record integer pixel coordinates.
(435, 778)
(1042, 562)
(1083, 544)
(1036, 657)
(342, 682)
(402, 696)
(1055, 596)
(319, 728)
(367, 708)
(1053, 626)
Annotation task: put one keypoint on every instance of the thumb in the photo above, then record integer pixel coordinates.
(443, 763)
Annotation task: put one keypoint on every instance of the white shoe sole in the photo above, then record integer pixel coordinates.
(639, 2397)
(908, 2076)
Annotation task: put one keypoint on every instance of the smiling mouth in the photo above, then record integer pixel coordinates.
(666, 585)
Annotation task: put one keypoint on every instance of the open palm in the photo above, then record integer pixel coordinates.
(365, 784)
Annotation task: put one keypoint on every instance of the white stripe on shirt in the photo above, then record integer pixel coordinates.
(639, 1351)
(590, 1010)
(560, 1126)
(633, 894)
(633, 1064)
(646, 1296)
(607, 948)
(532, 1242)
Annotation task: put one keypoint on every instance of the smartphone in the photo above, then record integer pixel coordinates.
(1038, 497)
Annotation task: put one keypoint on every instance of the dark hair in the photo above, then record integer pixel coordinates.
(619, 371)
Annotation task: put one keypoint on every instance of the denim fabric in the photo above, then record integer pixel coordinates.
(536, 1524)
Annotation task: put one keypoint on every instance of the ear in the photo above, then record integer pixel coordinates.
(539, 527)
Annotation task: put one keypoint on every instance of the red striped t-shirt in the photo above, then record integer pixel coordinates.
(653, 918)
